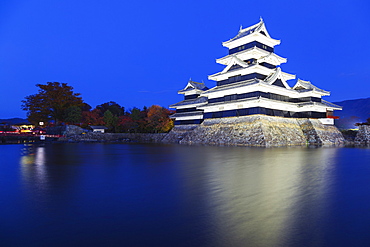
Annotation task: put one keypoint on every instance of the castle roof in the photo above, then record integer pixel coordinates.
(278, 74)
(251, 33)
(327, 103)
(196, 101)
(259, 27)
(303, 86)
(233, 85)
(192, 85)
(323, 103)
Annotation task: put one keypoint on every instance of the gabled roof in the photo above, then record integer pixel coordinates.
(302, 86)
(193, 85)
(254, 52)
(234, 60)
(272, 58)
(257, 32)
(257, 28)
(277, 75)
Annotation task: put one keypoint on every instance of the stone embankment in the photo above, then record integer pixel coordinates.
(257, 130)
(319, 134)
(114, 137)
(72, 133)
(363, 135)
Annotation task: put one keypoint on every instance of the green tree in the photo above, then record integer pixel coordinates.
(113, 107)
(51, 102)
(73, 115)
(138, 117)
(111, 121)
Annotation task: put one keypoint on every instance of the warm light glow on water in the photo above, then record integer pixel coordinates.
(173, 195)
(255, 193)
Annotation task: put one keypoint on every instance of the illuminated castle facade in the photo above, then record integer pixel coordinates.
(252, 83)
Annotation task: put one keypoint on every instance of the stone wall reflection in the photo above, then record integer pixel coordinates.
(255, 194)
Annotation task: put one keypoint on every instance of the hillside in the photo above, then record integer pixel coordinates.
(14, 120)
(354, 111)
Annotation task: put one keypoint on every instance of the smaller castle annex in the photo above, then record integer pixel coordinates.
(252, 83)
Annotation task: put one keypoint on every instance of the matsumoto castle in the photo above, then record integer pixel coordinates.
(252, 83)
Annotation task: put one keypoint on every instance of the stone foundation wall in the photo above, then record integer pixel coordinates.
(255, 130)
(115, 137)
(319, 134)
(178, 133)
(258, 130)
(363, 135)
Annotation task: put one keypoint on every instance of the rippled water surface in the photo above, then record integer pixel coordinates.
(173, 195)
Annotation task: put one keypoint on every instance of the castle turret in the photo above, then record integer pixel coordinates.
(186, 110)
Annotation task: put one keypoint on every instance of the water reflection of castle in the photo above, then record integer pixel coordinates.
(261, 195)
(252, 83)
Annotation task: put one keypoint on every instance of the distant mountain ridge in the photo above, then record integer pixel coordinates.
(354, 111)
(14, 120)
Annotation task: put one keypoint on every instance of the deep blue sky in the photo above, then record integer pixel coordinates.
(142, 52)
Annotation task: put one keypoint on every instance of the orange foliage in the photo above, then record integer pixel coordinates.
(158, 119)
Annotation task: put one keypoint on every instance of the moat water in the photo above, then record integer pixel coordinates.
(174, 195)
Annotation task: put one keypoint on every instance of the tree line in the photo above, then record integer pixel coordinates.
(365, 123)
(57, 104)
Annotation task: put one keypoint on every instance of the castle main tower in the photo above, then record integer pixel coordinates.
(252, 83)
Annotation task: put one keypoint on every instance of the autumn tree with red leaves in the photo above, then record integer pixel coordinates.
(51, 103)
(92, 117)
(158, 119)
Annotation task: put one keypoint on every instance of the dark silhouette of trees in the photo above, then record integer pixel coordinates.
(365, 123)
(139, 119)
(92, 118)
(51, 102)
(73, 115)
(113, 107)
(111, 121)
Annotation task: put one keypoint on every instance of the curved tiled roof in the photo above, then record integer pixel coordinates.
(194, 85)
(246, 31)
(233, 85)
(327, 103)
(198, 100)
(302, 86)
